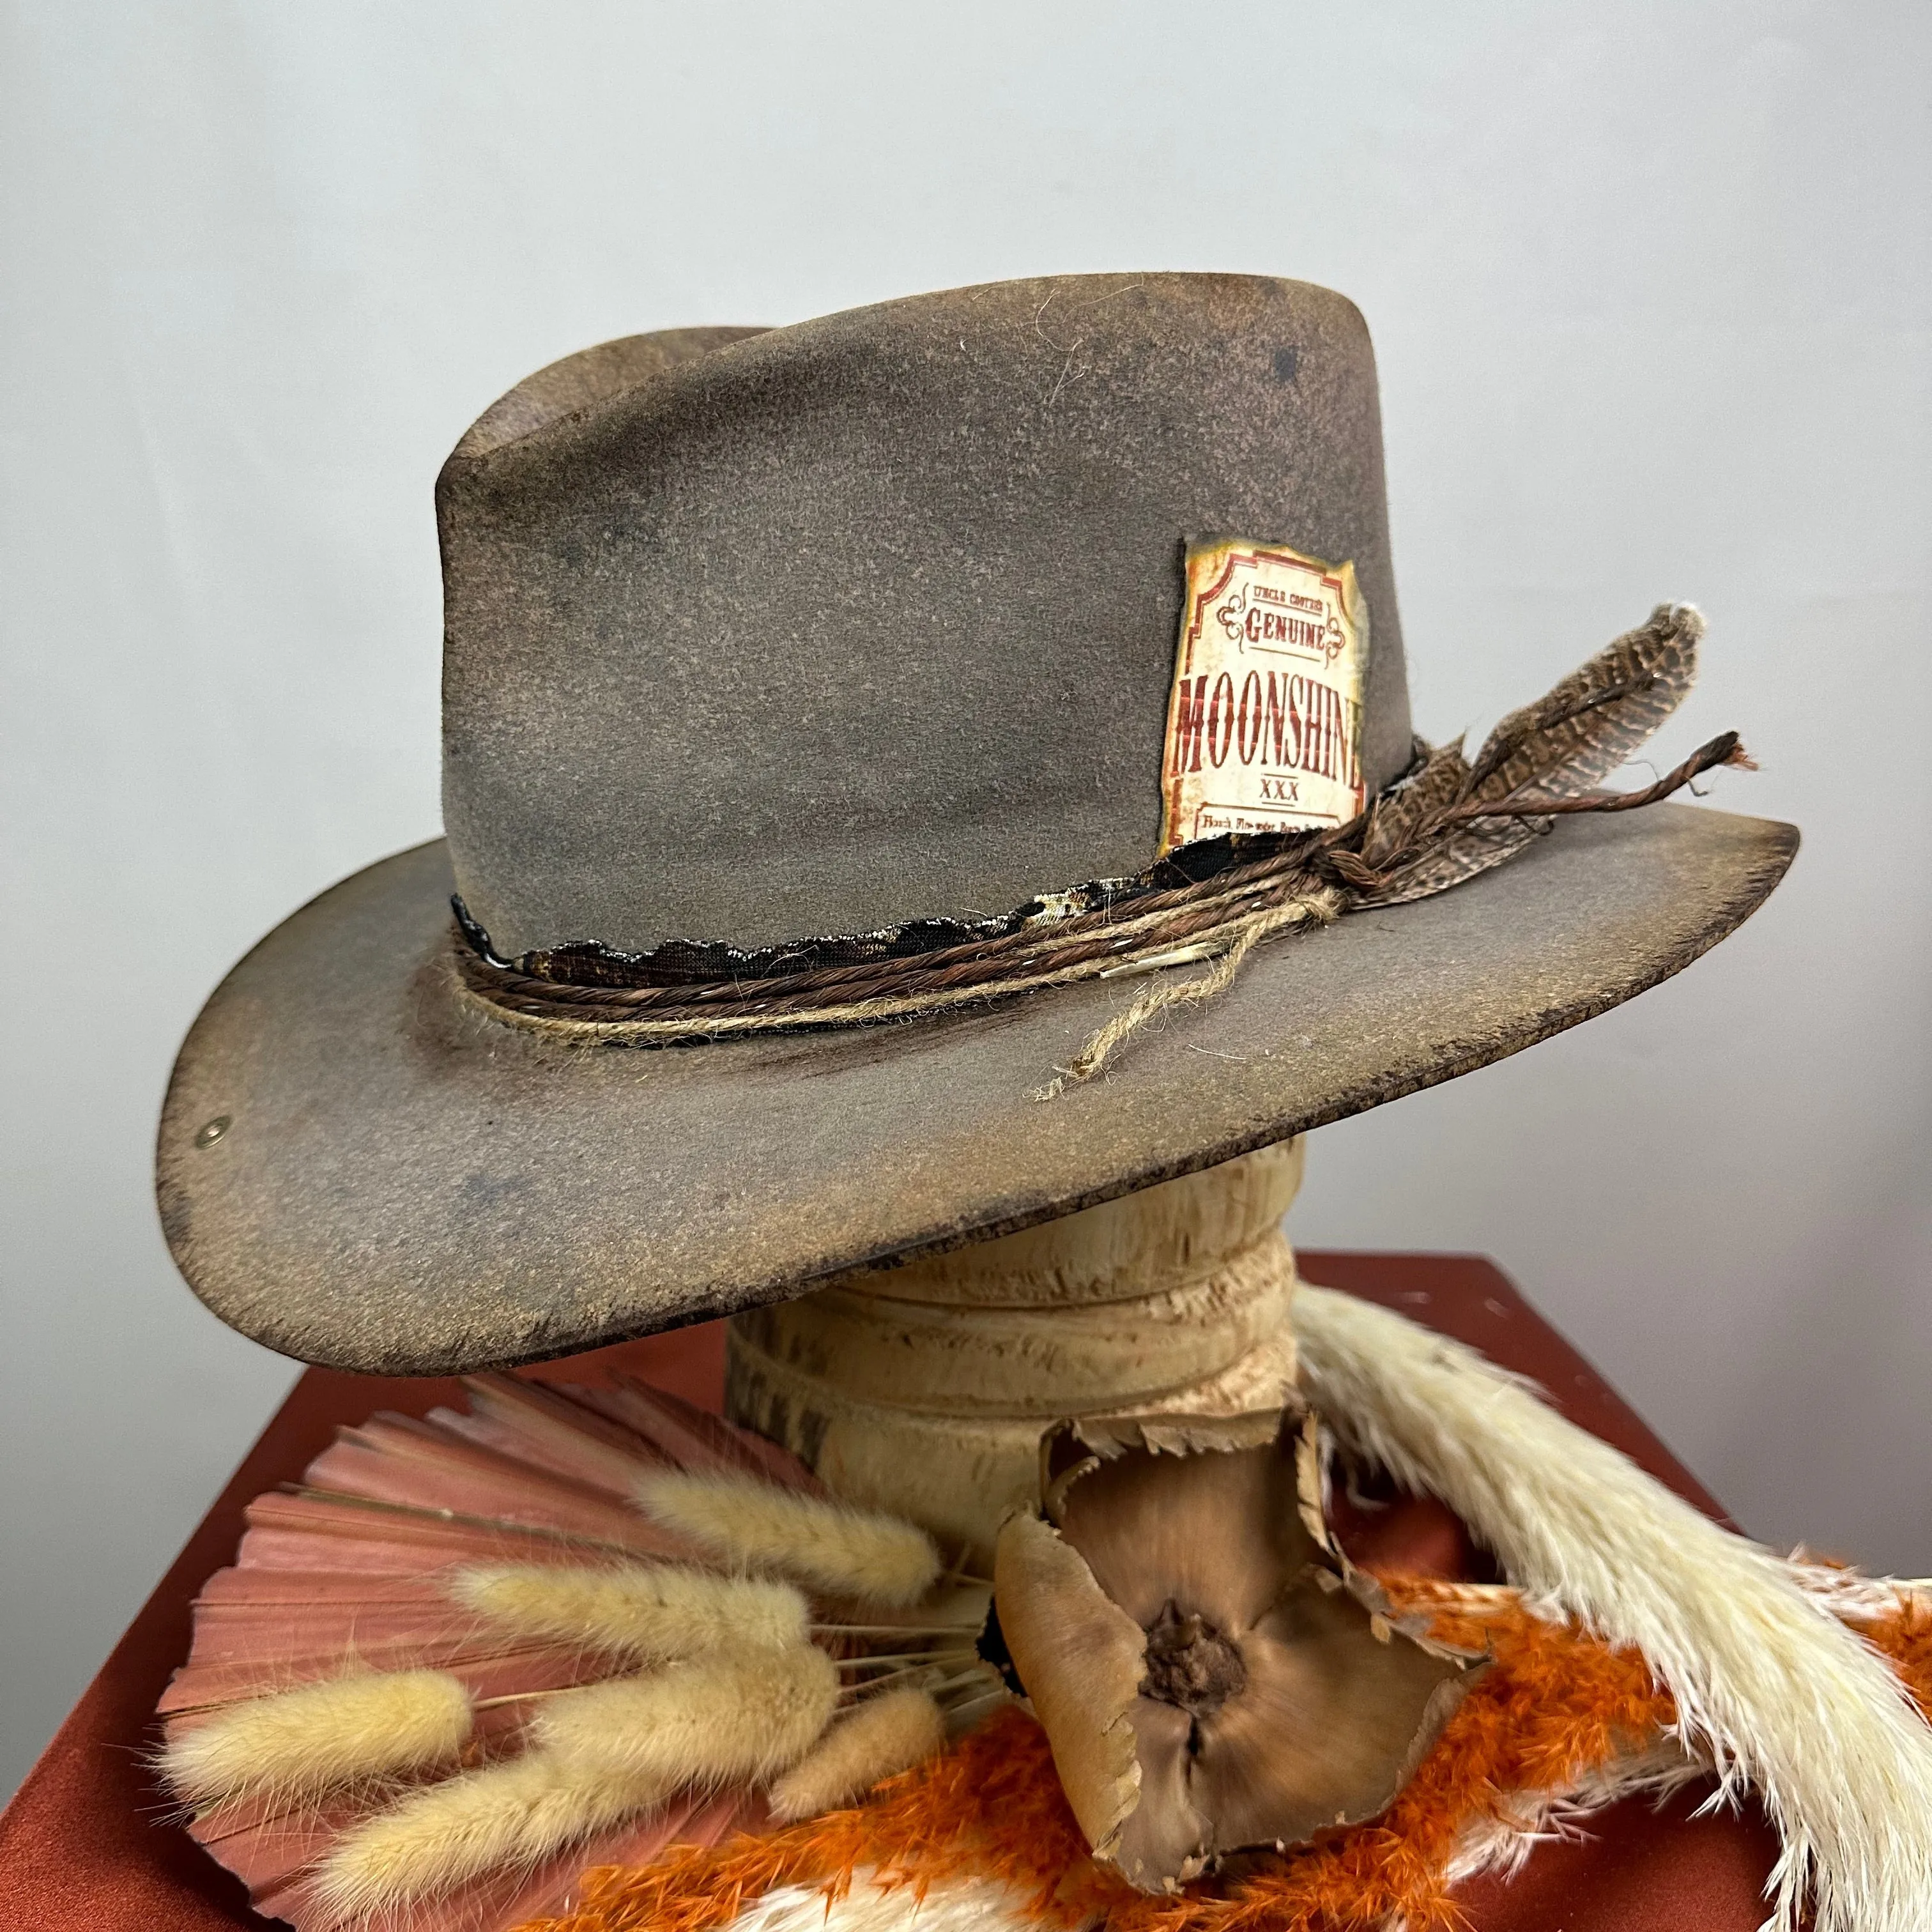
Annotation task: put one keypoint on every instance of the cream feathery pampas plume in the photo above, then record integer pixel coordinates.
(1770, 1687)
(887, 1734)
(298, 1744)
(845, 1552)
(648, 1613)
(1525, 1819)
(955, 1905)
(509, 1816)
(715, 1721)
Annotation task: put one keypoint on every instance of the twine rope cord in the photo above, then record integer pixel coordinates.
(1162, 920)
(714, 1025)
(1322, 910)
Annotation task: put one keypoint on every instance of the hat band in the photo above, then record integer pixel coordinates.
(1447, 820)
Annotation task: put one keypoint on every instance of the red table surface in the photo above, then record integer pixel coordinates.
(82, 1846)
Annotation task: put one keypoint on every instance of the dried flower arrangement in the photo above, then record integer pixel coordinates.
(468, 1654)
(469, 1657)
(1639, 1647)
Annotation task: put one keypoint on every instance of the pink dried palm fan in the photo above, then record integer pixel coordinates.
(468, 1657)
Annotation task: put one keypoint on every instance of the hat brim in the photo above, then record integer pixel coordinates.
(406, 1186)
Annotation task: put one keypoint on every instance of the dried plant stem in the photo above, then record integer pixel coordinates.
(1725, 749)
(998, 1694)
(871, 1685)
(902, 1656)
(529, 1696)
(893, 1629)
(959, 1681)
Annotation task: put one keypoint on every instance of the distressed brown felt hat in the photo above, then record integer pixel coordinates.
(817, 761)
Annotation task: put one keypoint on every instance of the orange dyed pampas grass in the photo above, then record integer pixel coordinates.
(1555, 1707)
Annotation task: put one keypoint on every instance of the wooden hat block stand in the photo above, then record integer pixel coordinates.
(923, 1386)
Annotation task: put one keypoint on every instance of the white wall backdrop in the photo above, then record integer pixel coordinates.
(1650, 289)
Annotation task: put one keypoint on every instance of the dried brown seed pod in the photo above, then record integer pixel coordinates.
(1213, 1674)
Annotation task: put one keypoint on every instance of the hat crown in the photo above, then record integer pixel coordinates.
(758, 636)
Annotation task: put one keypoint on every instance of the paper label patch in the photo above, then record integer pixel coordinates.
(1264, 724)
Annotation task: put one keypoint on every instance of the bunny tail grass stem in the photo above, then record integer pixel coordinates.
(1769, 1685)
(715, 1721)
(509, 1816)
(652, 1613)
(871, 1686)
(947, 1686)
(904, 1657)
(848, 1553)
(883, 1736)
(895, 1629)
(298, 1744)
(961, 1707)
(525, 1696)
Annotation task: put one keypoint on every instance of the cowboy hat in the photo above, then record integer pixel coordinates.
(810, 698)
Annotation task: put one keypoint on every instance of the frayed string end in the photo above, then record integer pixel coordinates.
(1321, 908)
